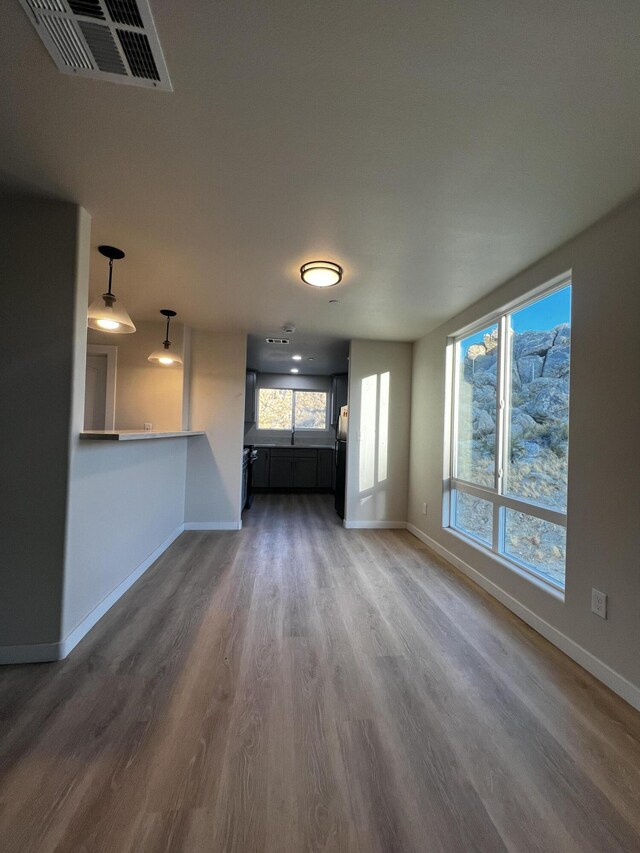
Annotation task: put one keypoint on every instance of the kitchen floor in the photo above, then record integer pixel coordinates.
(298, 687)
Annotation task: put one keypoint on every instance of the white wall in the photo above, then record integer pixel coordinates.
(375, 497)
(145, 392)
(126, 499)
(603, 535)
(214, 462)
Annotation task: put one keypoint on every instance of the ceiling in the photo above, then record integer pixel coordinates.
(432, 148)
(322, 355)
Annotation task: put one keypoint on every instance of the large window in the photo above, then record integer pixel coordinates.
(282, 408)
(510, 428)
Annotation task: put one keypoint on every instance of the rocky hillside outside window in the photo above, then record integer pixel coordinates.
(510, 433)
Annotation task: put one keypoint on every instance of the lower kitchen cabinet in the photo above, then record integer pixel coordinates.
(325, 468)
(281, 472)
(260, 470)
(293, 468)
(305, 471)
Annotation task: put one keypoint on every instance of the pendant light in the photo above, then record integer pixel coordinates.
(103, 314)
(164, 355)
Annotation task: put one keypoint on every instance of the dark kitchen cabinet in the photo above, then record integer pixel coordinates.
(250, 397)
(281, 470)
(293, 468)
(305, 470)
(325, 468)
(260, 471)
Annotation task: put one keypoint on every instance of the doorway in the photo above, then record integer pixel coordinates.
(100, 387)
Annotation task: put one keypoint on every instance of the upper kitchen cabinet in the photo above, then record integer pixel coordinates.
(339, 394)
(250, 397)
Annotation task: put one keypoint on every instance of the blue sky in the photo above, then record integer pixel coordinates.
(544, 314)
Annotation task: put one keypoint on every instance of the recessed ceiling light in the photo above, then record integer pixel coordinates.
(333, 301)
(321, 273)
(294, 370)
(310, 358)
(296, 357)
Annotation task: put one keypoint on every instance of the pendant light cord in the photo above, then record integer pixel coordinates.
(110, 274)
(167, 342)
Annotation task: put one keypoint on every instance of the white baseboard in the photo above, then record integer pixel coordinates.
(41, 652)
(602, 671)
(374, 525)
(213, 525)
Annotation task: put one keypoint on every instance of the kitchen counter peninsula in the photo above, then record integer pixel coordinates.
(134, 434)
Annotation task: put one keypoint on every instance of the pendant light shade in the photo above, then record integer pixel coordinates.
(106, 314)
(165, 355)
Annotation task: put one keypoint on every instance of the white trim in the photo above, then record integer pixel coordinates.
(213, 525)
(41, 652)
(602, 671)
(374, 525)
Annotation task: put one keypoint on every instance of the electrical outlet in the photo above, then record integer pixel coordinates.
(424, 508)
(148, 427)
(599, 603)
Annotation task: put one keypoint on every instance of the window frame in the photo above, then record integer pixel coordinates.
(293, 426)
(494, 494)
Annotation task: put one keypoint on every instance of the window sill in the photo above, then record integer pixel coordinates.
(537, 580)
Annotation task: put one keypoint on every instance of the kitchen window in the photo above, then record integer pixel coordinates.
(509, 432)
(286, 409)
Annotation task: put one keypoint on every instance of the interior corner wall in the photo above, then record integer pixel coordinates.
(381, 501)
(39, 249)
(603, 532)
(145, 392)
(214, 460)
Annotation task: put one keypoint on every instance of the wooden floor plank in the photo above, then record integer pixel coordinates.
(297, 687)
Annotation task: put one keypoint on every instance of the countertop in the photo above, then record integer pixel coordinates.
(296, 446)
(133, 434)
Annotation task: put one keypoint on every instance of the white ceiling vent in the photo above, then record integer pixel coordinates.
(112, 40)
(277, 340)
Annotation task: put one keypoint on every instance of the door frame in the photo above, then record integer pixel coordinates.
(111, 353)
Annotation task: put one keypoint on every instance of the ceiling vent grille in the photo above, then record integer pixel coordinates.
(277, 340)
(112, 40)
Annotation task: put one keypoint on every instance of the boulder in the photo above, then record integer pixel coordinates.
(530, 367)
(485, 362)
(532, 343)
(547, 400)
(562, 335)
(484, 377)
(483, 423)
(521, 424)
(556, 364)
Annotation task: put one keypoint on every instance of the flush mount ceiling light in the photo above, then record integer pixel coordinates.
(321, 273)
(103, 314)
(294, 370)
(296, 357)
(164, 355)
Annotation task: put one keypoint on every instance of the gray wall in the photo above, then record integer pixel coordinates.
(39, 249)
(214, 463)
(386, 499)
(603, 536)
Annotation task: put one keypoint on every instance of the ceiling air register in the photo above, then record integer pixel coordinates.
(112, 40)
